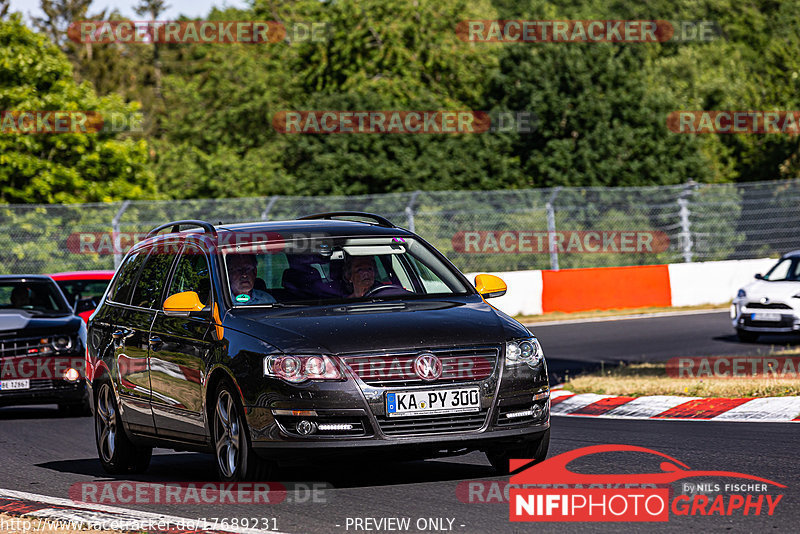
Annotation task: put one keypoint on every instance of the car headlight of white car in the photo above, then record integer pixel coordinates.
(741, 294)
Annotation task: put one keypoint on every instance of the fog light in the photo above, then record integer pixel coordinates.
(335, 426)
(71, 375)
(305, 427)
(521, 413)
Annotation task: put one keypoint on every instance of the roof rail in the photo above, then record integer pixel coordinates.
(176, 227)
(380, 221)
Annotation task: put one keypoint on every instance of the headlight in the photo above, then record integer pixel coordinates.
(297, 369)
(741, 294)
(796, 296)
(62, 343)
(527, 351)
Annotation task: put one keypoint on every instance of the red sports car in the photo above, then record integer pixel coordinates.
(83, 289)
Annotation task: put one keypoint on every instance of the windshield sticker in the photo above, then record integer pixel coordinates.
(242, 298)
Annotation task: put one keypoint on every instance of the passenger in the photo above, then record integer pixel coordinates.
(359, 273)
(242, 270)
(20, 297)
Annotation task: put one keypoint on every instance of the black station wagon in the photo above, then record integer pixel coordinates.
(264, 341)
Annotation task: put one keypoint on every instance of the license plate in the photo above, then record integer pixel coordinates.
(22, 383)
(432, 402)
(765, 317)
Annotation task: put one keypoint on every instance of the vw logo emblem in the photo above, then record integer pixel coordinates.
(427, 366)
(764, 300)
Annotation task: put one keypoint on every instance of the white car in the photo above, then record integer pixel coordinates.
(771, 304)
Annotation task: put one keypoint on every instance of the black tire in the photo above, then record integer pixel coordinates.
(118, 455)
(535, 449)
(236, 460)
(747, 336)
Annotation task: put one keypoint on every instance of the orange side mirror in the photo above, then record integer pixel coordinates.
(182, 304)
(490, 286)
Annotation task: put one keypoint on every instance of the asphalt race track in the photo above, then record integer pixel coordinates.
(584, 345)
(45, 454)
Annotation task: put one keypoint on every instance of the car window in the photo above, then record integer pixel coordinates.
(81, 289)
(785, 270)
(126, 277)
(32, 295)
(430, 280)
(381, 267)
(150, 285)
(192, 274)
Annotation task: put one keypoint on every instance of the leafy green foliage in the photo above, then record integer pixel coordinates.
(71, 167)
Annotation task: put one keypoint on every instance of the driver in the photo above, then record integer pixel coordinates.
(359, 272)
(242, 270)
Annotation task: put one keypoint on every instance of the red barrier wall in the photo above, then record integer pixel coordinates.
(605, 288)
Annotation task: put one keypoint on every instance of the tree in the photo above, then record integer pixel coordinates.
(600, 123)
(5, 5)
(58, 15)
(153, 9)
(66, 167)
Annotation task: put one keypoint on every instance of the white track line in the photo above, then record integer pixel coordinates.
(625, 317)
(93, 513)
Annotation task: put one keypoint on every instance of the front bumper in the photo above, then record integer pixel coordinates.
(46, 391)
(750, 317)
(358, 409)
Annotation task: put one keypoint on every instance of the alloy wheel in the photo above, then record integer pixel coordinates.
(227, 434)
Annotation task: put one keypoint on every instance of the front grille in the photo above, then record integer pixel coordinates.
(770, 306)
(432, 424)
(397, 368)
(24, 347)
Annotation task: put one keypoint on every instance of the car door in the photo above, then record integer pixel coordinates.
(130, 327)
(180, 354)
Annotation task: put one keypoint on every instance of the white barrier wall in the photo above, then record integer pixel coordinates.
(524, 296)
(712, 282)
(691, 284)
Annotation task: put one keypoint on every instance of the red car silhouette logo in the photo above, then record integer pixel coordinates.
(554, 470)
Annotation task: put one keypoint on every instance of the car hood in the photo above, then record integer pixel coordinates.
(782, 291)
(386, 325)
(22, 324)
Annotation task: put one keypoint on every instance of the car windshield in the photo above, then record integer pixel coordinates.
(35, 296)
(336, 270)
(76, 290)
(786, 270)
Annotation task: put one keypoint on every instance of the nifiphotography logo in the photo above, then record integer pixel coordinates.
(574, 496)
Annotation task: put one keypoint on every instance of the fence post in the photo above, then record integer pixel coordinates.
(115, 234)
(410, 209)
(551, 228)
(265, 213)
(686, 225)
